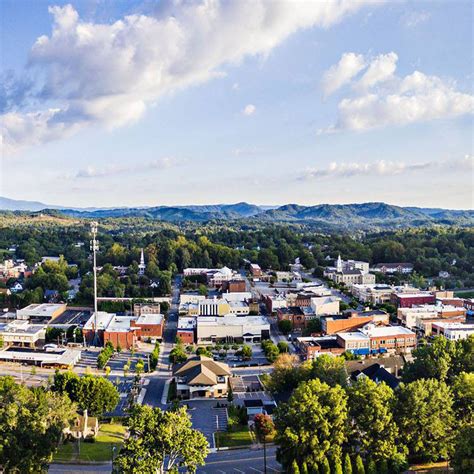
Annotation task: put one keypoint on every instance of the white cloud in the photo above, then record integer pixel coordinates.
(380, 69)
(382, 99)
(249, 109)
(112, 170)
(386, 168)
(413, 19)
(107, 74)
(341, 73)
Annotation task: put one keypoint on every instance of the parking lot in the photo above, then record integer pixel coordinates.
(206, 418)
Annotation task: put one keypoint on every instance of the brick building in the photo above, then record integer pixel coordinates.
(407, 300)
(294, 314)
(353, 320)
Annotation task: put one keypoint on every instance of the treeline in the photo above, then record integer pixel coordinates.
(172, 248)
(327, 424)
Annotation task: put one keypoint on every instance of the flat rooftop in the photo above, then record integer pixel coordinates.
(103, 319)
(152, 318)
(455, 326)
(387, 331)
(186, 323)
(353, 336)
(42, 309)
(120, 324)
(61, 358)
(72, 317)
(231, 320)
(21, 326)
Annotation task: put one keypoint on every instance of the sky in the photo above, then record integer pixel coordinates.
(139, 103)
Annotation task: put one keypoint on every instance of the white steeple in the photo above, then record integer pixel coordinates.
(339, 263)
(142, 266)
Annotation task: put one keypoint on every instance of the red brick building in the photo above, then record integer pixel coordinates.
(407, 300)
(234, 286)
(293, 314)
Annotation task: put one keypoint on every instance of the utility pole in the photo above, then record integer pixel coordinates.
(94, 248)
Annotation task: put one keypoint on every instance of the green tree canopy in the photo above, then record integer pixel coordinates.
(312, 424)
(425, 418)
(161, 441)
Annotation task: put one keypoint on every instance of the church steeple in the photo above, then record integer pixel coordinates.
(142, 266)
(339, 264)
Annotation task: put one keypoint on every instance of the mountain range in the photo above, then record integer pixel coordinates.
(346, 215)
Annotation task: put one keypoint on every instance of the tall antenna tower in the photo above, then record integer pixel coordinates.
(94, 248)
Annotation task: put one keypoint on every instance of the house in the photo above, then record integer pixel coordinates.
(258, 406)
(378, 374)
(17, 287)
(52, 296)
(201, 377)
(84, 426)
(393, 268)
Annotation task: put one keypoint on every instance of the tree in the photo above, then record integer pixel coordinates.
(360, 469)
(347, 464)
(329, 369)
(287, 374)
(161, 441)
(283, 347)
(246, 352)
(463, 391)
(31, 425)
(304, 468)
(374, 432)
(371, 467)
(463, 458)
(312, 424)
(178, 355)
(97, 395)
(324, 466)
(294, 468)
(337, 466)
(285, 326)
(425, 418)
(264, 427)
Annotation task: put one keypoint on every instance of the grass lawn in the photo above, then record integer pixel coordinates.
(239, 436)
(110, 435)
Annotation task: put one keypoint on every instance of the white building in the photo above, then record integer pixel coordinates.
(44, 312)
(231, 328)
(453, 331)
(21, 332)
(325, 305)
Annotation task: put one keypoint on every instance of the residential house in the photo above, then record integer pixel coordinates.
(201, 377)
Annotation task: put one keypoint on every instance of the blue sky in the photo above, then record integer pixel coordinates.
(144, 103)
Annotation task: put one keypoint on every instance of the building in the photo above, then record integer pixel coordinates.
(407, 300)
(61, 358)
(148, 327)
(353, 320)
(312, 347)
(123, 331)
(84, 426)
(294, 314)
(453, 331)
(201, 377)
(186, 330)
(393, 268)
(275, 302)
(416, 317)
(140, 309)
(234, 286)
(324, 305)
(354, 341)
(217, 277)
(141, 265)
(379, 293)
(230, 328)
(41, 313)
(21, 332)
(378, 374)
(213, 307)
(288, 277)
(255, 270)
(384, 338)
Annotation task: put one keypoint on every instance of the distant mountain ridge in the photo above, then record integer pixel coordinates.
(346, 215)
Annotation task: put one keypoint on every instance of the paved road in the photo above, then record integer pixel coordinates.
(79, 468)
(241, 461)
(158, 379)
